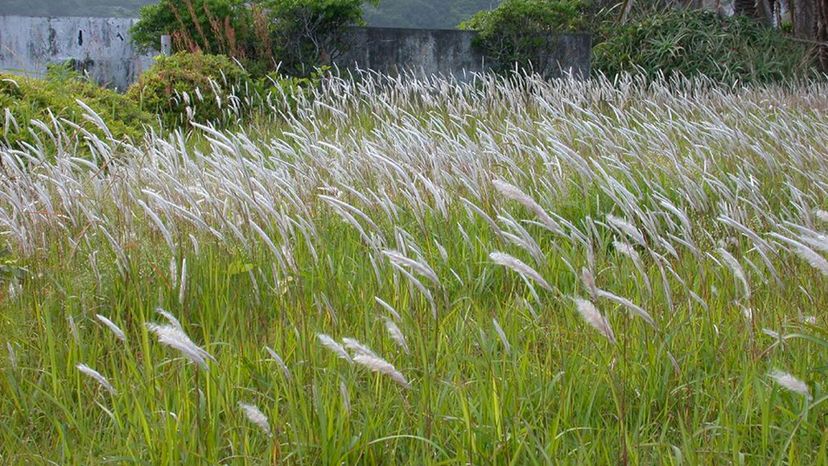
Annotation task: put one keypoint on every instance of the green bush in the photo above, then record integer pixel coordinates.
(695, 42)
(193, 87)
(521, 31)
(235, 28)
(293, 35)
(310, 33)
(27, 99)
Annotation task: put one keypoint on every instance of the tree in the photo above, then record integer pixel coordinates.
(522, 31)
(311, 33)
(293, 35)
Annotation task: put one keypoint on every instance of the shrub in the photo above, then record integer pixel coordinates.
(520, 31)
(188, 87)
(311, 33)
(235, 28)
(260, 34)
(695, 42)
(27, 99)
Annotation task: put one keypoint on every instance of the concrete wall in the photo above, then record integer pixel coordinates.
(101, 46)
(423, 51)
(450, 52)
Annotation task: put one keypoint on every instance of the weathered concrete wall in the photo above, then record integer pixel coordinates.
(450, 52)
(423, 51)
(100, 45)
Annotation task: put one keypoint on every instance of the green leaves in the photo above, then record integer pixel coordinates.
(694, 42)
(189, 87)
(521, 31)
(9, 270)
(295, 36)
(27, 99)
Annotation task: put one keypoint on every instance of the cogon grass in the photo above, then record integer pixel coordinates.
(677, 202)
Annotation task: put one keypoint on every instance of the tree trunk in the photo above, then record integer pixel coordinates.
(822, 33)
(744, 8)
(804, 18)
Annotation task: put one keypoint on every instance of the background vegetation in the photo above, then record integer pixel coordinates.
(188, 87)
(295, 36)
(702, 43)
(55, 99)
(524, 31)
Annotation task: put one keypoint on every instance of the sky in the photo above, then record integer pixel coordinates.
(390, 13)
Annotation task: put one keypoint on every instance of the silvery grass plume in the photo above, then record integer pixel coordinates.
(377, 364)
(821, 215)
(256, 416)
(358, 348)
(805, 253)
(588, 279)
(791, 383)
(170, 318)
(396, 334)
(594, 318)
(389, 308)
(12, 356)
(115, 329)
(175, 338)
(74, 329)
(346, 398)
(420, 266)
(813, 258)
(512, 192)
(627, 228)
(627, 250)
(502, 335)
(632, 307)
(332, 345)
(182, 290)
(279, 361)
(737, 270)
(97, 376)
(517, 265)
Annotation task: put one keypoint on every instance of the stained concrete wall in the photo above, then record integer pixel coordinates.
(100, 46)
(423, 51)
(451, 52)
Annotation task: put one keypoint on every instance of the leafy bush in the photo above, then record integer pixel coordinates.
(696, 42)
(260, 34)
(27, 99)
(310, 33)
(520, 31)
(235, 28)
(189, 87)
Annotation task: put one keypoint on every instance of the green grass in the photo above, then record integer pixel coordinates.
(562, 394)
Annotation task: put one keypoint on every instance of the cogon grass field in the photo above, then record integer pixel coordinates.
(508, 271)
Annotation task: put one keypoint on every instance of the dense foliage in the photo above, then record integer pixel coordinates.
(191, 87)
(697, 42)
(522, 31)
(295, 36)
(235, 28)
(54, 99)
(310, 33)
